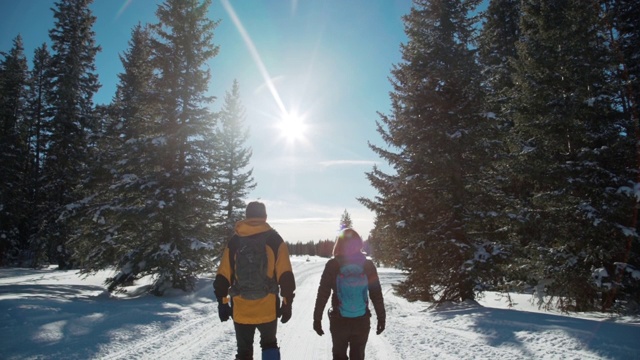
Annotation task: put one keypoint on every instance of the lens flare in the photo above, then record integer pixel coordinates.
(123, 8)
(291, 125)
(255, 55)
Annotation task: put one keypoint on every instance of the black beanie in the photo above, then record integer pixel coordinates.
(256, 209)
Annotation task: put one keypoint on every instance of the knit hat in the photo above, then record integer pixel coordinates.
(256, 209)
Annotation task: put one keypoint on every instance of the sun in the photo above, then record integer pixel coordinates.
(292, 127)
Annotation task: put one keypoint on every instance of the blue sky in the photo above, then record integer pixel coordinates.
(328, 61)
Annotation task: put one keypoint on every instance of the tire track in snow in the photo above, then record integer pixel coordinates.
(197, 334)
(296, 338)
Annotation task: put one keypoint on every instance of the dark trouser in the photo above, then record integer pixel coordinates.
(244, 338)
(349, 333)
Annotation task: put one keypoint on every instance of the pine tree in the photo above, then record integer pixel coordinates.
(13, 152)
(442, 146)
(621, 23)
(568, 151)
(235, 182)
(38, 127)
(497, 47)
(186, 199)
(345, 220)
(72, 123)
(497, 53)
(125, 174)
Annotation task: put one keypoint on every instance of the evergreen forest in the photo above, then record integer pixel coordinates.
(147, 184)
(512, 141)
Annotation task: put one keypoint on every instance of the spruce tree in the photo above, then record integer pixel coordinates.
(13, 152)
(497, 53)
(497, 47)
(568, 152)
(438, 146)
(115, 224)
(72, 123)
(186, 202)
(345, 220)
(621, 24)
(235, 182)
(38, 127)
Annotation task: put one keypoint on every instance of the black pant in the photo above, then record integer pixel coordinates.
(351, 333)
(244, 338)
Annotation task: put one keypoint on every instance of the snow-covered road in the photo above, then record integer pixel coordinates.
(200, 335)
(50, 314)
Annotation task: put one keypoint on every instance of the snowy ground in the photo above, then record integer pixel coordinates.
(50, 314)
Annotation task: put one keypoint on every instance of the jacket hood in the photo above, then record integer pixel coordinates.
(252, 226)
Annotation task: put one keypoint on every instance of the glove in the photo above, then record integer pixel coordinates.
(317, 327)
(380, 327)
(285, 312)
(224, 311)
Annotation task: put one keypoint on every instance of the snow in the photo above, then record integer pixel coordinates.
(51, 314)
(627, 231)
(635, 191)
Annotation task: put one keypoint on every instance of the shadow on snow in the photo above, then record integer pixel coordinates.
(75, 321)
(506, 327)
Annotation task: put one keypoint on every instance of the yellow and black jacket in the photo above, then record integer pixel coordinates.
(263, 310)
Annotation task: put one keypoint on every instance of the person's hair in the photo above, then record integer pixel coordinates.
(256, 209)
(348, 242)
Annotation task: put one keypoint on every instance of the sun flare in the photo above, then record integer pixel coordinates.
(292, 127)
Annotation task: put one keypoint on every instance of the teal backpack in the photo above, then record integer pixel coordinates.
(352, 288)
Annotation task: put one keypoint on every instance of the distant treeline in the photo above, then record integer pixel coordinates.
(322, 248)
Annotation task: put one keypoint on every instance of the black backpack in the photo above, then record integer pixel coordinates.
(250, 279)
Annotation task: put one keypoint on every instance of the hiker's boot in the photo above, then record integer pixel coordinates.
(271, 354)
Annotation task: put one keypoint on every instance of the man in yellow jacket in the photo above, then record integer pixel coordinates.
(255, 263)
